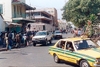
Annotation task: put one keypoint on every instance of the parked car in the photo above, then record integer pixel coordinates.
(81, 51)
(57, 34)
(42, 37)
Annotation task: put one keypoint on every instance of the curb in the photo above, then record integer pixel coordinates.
(3, 49)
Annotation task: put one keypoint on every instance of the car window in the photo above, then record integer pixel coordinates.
(57, 32)
(41, 33)
(84, 44)
(69, 46)
(61, 44)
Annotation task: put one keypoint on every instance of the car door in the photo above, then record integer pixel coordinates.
(69, 52)
(60, 49)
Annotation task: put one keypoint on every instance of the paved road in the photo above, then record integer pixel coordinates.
(30, 57)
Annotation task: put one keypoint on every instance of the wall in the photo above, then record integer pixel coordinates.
(7, 11)
(2, 24)
(19, 0)
(39, 27)
(20, 11)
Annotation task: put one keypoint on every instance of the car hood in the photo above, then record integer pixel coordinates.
(39, 36)
(93, 52)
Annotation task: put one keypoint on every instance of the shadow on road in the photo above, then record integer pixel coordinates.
(68, 63)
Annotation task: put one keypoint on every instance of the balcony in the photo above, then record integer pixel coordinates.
(19, 15)
(30, 17)
(43, 17)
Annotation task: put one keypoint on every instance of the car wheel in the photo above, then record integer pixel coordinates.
(46, 42)
(61, 37)
(56, 59)
(50, 41)
(84, 63)
(34, 44)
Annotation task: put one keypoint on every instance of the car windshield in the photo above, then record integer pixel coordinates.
(57, 32)
(41, 33)
(84, 44)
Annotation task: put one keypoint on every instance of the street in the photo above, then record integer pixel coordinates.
(31, 57)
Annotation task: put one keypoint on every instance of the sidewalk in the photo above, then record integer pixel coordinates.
(3, 49)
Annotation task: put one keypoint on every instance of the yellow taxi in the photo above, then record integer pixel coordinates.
(81, 51)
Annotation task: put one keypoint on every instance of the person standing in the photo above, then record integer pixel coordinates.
(10, 41)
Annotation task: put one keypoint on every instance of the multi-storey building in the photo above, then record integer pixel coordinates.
(2, 24)
(15, 11)
(53, 12)
(62, 25)
(43, 20)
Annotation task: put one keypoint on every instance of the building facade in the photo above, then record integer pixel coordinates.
(53, 12)
(2, 24)
(15, 11)
(43, 20)
(62, 25)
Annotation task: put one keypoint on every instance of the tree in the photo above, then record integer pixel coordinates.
(79, 11)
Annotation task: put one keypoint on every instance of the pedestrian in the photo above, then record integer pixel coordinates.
(10, 41)
(75, 32)
(6, 39)
(79, 32)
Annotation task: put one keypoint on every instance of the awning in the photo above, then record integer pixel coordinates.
(24, 20)
(27, 6)
(11, 24)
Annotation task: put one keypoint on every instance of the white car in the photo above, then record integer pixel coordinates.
(57, 34)
(42, 37)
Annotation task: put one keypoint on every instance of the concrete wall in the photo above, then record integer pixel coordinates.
(7, 11)
(19, 0)
(39, 27)
(2, 25)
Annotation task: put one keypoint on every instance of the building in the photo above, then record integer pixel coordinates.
(15, 11)
(53, 12)
(43, 20)
(2, 24)
(62, 25)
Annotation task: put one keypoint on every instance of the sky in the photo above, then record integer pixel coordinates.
(39, 4)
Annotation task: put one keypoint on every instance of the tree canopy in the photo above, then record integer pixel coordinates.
(79, 11)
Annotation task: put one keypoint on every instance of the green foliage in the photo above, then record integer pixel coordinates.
(79, 11)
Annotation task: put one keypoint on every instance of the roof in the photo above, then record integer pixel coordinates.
(75, 39)
(12, 24)
(24, 4)
(42, 11)
(23, 19)
(1, 16)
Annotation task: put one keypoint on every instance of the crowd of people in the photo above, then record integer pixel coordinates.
(14, 39)
(77, 32)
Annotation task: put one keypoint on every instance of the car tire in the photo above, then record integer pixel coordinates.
(45, 43)
(34, 44)
(84, 63)
(61, 37)
(56, 59)
(50, 41)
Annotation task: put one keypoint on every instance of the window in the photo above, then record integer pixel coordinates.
(61, 44)
(69, 46)
(84, 44)
(1, 9)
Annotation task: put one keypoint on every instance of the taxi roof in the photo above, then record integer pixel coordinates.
(74, 39)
